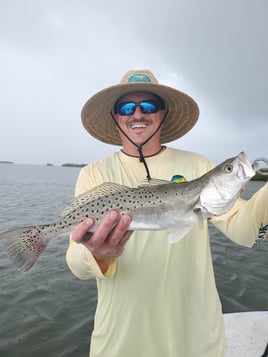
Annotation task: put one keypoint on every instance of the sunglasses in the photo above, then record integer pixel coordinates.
(146, 107)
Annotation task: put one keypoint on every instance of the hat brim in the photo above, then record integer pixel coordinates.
(182, 116)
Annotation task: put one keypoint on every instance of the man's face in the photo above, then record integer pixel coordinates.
(139, 126)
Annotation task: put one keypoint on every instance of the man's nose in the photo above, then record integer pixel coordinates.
(138, 113)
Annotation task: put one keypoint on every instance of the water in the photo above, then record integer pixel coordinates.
(47, 311)
(241, 273)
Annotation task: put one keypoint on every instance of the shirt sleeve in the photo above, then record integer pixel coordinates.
(247, 222)
(79, 259)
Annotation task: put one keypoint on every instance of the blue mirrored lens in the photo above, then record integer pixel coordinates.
(147, 107)
(127, 108)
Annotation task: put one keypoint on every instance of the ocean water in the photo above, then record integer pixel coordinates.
(47, 311)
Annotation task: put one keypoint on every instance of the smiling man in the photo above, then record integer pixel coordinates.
(155, 299)
(139, 116)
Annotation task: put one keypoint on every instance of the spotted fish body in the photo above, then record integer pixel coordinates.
(161, 205)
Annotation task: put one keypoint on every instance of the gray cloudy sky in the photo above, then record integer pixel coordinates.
(57, 53)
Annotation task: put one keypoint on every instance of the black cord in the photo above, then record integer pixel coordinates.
(142, 159)
(139, 147)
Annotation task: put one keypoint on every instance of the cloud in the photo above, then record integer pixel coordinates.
(55, 54)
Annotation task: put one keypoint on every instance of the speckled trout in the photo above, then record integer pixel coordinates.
(159, 205)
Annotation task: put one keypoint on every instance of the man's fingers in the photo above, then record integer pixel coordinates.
(109, 238)
(87, 237)
(104, 229)
(81, 230)
(120, 230)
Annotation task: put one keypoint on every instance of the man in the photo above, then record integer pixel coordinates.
(155, 299)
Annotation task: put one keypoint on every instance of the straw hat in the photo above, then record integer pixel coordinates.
(182, 116)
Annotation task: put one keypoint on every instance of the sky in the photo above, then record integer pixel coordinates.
(55, 54)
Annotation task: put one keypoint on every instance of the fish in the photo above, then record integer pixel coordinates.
(158, 205)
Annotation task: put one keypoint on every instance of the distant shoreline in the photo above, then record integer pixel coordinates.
(257, 177)
(260, 177)
(67, 165)
(73, 165)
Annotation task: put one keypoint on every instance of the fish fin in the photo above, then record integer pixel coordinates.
(199, 217)
(94, 193)
(178, 233)
(24, 245)
(153, 182)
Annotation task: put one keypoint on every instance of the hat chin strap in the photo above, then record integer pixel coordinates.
(139, 147)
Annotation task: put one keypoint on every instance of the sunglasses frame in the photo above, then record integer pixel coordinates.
(156, 103)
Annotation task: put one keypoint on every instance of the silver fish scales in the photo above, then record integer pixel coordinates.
(161, 205)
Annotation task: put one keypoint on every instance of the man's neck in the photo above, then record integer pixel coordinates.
(147, 151)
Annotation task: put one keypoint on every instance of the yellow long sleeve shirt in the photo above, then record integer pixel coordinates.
(160, 299)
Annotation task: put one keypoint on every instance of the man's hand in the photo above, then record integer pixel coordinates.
(108, 240)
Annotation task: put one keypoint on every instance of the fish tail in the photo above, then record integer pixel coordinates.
(24, 245)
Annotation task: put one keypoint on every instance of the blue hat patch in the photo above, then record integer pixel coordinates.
(139, 78)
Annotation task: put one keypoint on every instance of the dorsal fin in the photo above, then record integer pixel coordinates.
(90, 195)
(153, 182)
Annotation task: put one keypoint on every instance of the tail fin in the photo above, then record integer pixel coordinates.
(25, 245)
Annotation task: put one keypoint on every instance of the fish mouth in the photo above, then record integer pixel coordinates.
(245, 165)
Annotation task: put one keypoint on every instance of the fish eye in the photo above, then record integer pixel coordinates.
(229, 168)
